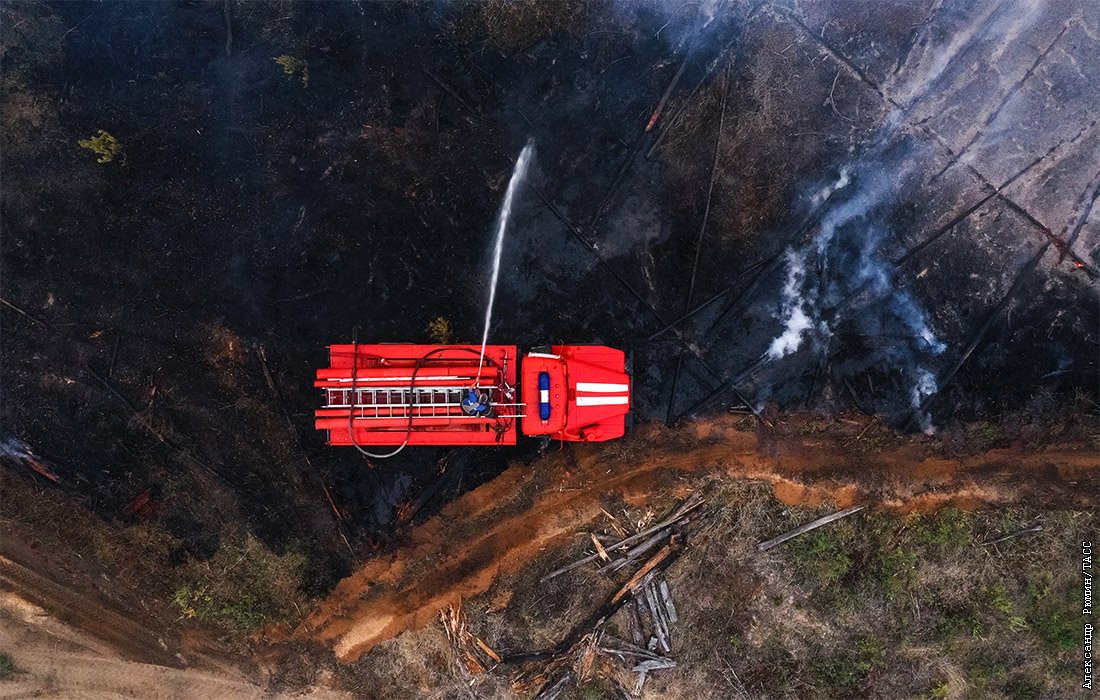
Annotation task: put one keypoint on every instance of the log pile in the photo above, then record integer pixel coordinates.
(643, 605)
(642, 609)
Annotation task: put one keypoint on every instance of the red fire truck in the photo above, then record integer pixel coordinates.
(397, 395)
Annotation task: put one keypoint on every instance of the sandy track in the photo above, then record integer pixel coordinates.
(500, 526)
(59, 661)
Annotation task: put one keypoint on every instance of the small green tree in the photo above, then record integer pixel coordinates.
(103, 144)
(440, 330)
(292, 65)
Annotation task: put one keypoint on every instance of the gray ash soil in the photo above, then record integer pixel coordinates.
(253, 209)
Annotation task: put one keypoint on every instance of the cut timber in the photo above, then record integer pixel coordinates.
(654, 665)
(812, 525)
(666, 598)
(649, 567)
(693, 502)
(636, 552)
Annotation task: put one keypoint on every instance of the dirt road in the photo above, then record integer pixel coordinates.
(58, 661)
(500, 526)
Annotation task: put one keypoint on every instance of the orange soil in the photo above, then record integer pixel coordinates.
(503, 524)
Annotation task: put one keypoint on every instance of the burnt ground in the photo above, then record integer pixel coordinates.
(907, 190)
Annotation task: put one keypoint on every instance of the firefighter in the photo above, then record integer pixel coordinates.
(476, 403)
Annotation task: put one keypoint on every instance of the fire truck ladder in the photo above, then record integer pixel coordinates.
(397, 401)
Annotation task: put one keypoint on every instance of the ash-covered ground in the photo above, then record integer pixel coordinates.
(885, 207)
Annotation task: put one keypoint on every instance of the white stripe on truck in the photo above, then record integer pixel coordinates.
(601, 388)
(602, 400)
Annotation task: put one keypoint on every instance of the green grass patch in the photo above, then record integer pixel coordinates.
(946, 533)
(841, 674)
(958, 621)
(7, 666)
(819, 557)
(244, 611)
(894, 571)
(244, 586)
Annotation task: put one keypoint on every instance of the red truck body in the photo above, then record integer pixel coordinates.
(403, 394)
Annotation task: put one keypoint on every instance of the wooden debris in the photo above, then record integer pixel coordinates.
(622, 648)
(599, 548)
(1011, 535)
(21, 453)
(475, 653)
(634, 621)
(453, 93)
(550, 692)
(23, 313)
(659, 626)
(633, 554)
(665, 97)
(653, 665)
(616, 525)
(693, 502)
(666, 598)
(655, 561)
(575, 657)
(812, 525)
(590, 646)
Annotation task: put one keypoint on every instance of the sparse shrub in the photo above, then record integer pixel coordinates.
(946, 532)
(1020, 687)
(292, 65)
(1057, 630)
(1038, 590)
(819, 556)
(837, 674)
(243, 586)
(591, 691)
(958, 621)
(7, 666)
(244, 612)
(997, 597)
(439, 329)
(939, 692)
(102, 144)
(987, 434)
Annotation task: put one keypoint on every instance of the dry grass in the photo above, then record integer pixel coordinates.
(876, 605)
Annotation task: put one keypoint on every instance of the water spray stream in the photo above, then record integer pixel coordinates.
(518, 173)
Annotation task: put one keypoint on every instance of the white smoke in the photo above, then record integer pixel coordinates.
(823, 194)
(842, 281)
(924, 385)
(795, 319)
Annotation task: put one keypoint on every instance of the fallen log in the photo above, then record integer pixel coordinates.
(1011, 535)
(654, 665)
(666, 598)
(633, 554)
(693, 502)
(812, 525)
(651, 566)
